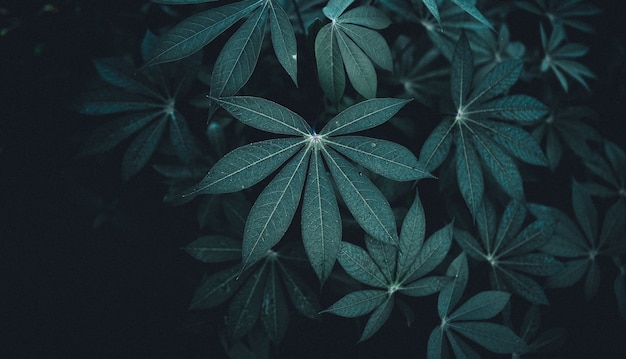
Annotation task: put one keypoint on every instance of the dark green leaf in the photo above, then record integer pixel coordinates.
(365, 15)
(372, 43)
(217, 288)
(468, 171)
(571, 273)
(284, 40)
(274, 313)
(425, 286)
(432, 253)
(495, 337)
(496, 81)
(362, 116)
(142, 148)
(461, 73)
(378, 317)
(358, 303)
(214, 249)
(384, 255)
(112, 133)
(585, 212)
(484, 305)
(411, 236)
(360, 266)
(521, 109)
(245, 307)
(357, 65)
(182, 138)
(523, 285)
(272, 212)
(330, 69)
(451, 293)
(540, 264)
(436, 147)
(302, 297)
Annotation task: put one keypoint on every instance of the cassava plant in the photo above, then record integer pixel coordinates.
(316, 140)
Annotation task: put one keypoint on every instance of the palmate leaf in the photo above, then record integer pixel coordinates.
(273, 211)
(217, 288)
(302, 297)
(479, 139)
(142, 148)
(245, 307)
(274, 312)
(431, 254)
(377, 319)
(284, 40)
(412, 235)
(495, 337)
(360, 266)
(484, 305)
(349, 45)
(358, 303)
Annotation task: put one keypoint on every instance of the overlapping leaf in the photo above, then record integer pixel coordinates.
(309, 157)
(477, 137)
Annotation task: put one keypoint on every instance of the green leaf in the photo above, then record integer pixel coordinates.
(112, 133)
(412, 235)
(217, 288)
(247, 165)
(425, 286)
(265, 115)
(468, 171)
(518, 142)
(272, 212)
(496, 81)
(214, 249)
(585, 212)
(193, 33)
(523, 285)
(510, 224)
(484, 305)
(121, 73)
(377, 319)
(495, 337)
(236, 61)
(437, 146)
(274, 312)
(521, 109)
(358, 303)
(182, 138)
(469, 6)
(367, 16)
(357, 65)
(142, 148)
(571, 273)
(386, 158)
(384, 255)
(451, 293)
(330, 68)
(360, 266)
(334, 8)
(302, 297)
(372, 43)
(284, 40)
(321, 220)
(460, 348)
(501, 166)
(461, 72)
(432, 253)
(363, 115)
(245, 307)
(364, 200)
(533, 236)
(539, 264)
(436, 345)
(470, 245)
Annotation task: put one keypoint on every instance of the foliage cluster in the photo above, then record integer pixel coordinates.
(330, 120)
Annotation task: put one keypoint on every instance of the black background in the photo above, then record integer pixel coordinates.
(122, 291)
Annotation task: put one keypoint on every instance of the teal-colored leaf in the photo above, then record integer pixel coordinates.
(302, 297)
(372, 43)
(334, 8)
(486, 222)
(272, 212)
(384, 255)
(521, 109)
(104, 105)
(517, 142)
(217, 288)
(425, 286)
(358, 303)
(193, 33)
(436, 345)
(365, 15)
(360, 266)
(572, 272)
(470, 245)
(496, 81)
(510, 224)
(265, 115)
(112, 133)
(495, 337)
(539, 264)
(321, 220)
(412, 235)
(592, 280)
(431, 5)
(214, 249)
(245, 307)
(437, 146)
(468, 171)
(469, 6)
(534, 236)
(461, 72)
(182, 138)
(484, 305)
(432, 253)
(330, 70)
(501, 166)
(363, 115)
(121, 73)
(247, 165)
(386, 158)
(460, 348)
(364, 200)
(284, 40)
(585, 212)
(274, 312)
(613, 230)
(357, 65)
(526, 287)
(235, 63)
(378, 317)
(451, 293)
(142, 148)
